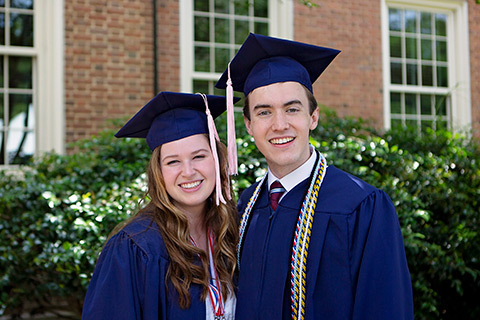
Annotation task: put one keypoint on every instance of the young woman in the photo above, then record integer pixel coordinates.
(175, 259)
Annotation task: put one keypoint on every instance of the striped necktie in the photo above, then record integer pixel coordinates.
(276, 192)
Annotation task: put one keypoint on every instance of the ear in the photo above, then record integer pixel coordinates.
(248, 125)
(314, 119)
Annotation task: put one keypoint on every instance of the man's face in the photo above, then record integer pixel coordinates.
(280, 123)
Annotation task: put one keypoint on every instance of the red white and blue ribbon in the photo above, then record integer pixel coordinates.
(214, 288)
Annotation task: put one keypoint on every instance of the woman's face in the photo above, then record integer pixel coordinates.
(188, 169)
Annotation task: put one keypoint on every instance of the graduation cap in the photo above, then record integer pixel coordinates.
(171, 116)
(263, 60)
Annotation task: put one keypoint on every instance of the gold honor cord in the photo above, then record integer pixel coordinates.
(302, 240)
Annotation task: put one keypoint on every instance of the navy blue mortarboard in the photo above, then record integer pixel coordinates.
(263, 60)
(172, 116)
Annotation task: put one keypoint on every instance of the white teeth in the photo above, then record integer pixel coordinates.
(281, 140)
(190, 185)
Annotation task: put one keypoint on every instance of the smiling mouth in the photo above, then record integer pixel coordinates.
(278, 141)
(190, 185)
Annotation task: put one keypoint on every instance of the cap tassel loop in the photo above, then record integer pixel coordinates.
(231, 138)
(213, 135)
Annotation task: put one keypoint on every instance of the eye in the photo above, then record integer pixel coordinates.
(172, 162)
(200, 156)
(263, 113)
(293, 110)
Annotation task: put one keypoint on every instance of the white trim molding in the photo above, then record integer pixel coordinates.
(50, 84)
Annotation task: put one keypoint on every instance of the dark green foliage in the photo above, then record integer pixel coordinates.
(55, 219)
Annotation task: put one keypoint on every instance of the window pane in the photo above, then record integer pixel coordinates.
(2, 28)
(426, 104)
(222, 57)
(410, 21)
(411, 123)
(241, 8)
(2, 83)
(2, 148)
(23, 4)
(202, 29)
(200, 86)
(2, 113)
(20, 146)
(260, 8)
(440, 105)
(2, 3)
(427, 49)
(261, 28)
(427, 75)
(202, 59)
(201, 5)
(441, 50)
(426, 23)
(395, 46)
(440, 24)
(21, 29)
(222, 6)
(395, 103)
(442, 77)
(396, 72)
(411, 47)
(412, 73)
(20, 111)
(222, 31)
(410, 103)
(241, 31)
(394, 17)
(426, 124)
(396, 123)
(20, 70)
(441, 125)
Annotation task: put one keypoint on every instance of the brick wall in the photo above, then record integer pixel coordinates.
(353, 83)
(474, 26)
(108, 62)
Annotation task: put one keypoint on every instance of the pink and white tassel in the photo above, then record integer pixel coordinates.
(231, 138)
(213, 135)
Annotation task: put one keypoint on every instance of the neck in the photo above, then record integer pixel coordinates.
(197, 228)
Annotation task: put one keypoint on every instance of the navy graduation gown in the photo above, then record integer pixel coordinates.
(129, 279)
(356, 264)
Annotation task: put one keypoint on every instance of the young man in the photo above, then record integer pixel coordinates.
(332, 247)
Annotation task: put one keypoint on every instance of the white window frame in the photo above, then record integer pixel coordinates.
(50, 46)
(280, 25)
(48, 75)
(458, 57)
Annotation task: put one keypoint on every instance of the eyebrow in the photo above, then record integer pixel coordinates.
(286, 104)
(193, 153)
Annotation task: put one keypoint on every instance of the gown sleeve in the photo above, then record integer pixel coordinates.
(126, 283)
(383, 287)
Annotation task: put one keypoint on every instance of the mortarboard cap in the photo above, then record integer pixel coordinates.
(263, 60)
(172, 116)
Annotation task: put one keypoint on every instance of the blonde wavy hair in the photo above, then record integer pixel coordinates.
(173, 225)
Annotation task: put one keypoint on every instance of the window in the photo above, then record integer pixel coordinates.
(426, 85)
(31, 79)
(17, 119)
(219, 29)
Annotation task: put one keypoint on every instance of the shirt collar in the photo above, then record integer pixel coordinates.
(297, 175)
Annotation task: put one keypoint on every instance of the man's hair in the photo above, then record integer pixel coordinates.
(312, 103)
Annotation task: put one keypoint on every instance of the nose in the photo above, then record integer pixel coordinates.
(280, 121)
(188, 169)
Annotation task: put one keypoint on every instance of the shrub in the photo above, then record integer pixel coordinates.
(55, 219)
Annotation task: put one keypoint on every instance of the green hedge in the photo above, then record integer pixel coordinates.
(55, 219)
